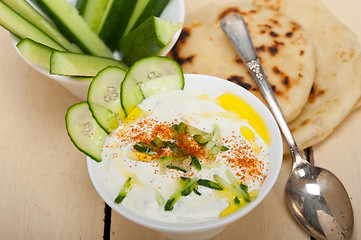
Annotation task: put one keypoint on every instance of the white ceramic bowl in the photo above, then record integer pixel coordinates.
(205, 230)
(174, 12)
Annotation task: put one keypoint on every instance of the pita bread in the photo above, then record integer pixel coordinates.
(271, 4)
(337, 85)
(284, 49)
(357, 105)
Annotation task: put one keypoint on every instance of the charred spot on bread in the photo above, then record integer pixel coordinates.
(276, 70)
(289, 34)
(315, 94)
(273, 50)
(240, 81)
(260, 48)
(228, 11)
(238, 60)
(273, 34)
(185, 34)
(286, 81)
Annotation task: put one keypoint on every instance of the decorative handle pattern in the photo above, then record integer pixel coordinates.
(255, 67)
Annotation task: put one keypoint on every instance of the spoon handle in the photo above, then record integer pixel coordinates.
(236, 30)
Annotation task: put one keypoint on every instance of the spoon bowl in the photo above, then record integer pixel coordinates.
(319, 202)
(315, 196)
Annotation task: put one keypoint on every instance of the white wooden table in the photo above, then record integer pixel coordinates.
(45, 190)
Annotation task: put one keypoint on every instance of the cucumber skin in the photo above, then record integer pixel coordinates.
(80, 5)
(59, 23)
(67, 31)
(68, 112)
(92, 11)
(94, 85)
(153, 8)
(130, 100)
(24, 9)
(43, 60)
(75, 61)
(114, 25)
(132, 94)
(34, 33)
(140, 44)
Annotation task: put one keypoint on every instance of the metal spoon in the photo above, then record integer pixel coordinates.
(315, 196)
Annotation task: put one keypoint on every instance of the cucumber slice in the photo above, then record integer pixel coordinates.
(74, 27)
(143, 10)
(20, 27)
(148, 39)
(92, 11)
(35, 53)
(77, 64)
(115, 20)
(84, 131)
(29, 13)
(150, 76)
(39, 54)
(130, 95)
(104, 98)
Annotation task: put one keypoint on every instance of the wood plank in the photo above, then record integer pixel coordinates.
(340, 153)
(45, 189)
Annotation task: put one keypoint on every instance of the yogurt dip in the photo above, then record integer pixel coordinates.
(237, 130)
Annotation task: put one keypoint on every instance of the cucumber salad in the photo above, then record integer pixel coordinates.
(78, 38)
(169, 153)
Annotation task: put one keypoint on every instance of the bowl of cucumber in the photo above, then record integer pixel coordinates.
(184, 155)
(90, 35)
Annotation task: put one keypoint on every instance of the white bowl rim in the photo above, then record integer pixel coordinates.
(276, 146)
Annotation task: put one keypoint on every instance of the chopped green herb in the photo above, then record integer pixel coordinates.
(236, 200)
(195, 189)
(144, 148)
(169, 205)
(173, 146)
(180, 128)
(189, 189)
(178, 156)
(197, 192)
(158, 143)
(246, 196)
(224, 148)
(214, 149)
(177, 194)
(203, 139)
(195, 163)
(209, 184)
(176, 168)
(123, 191)
(242, 189)
(226, 185)
(199, 140)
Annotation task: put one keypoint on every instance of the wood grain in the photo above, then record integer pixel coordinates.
(45, 189)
